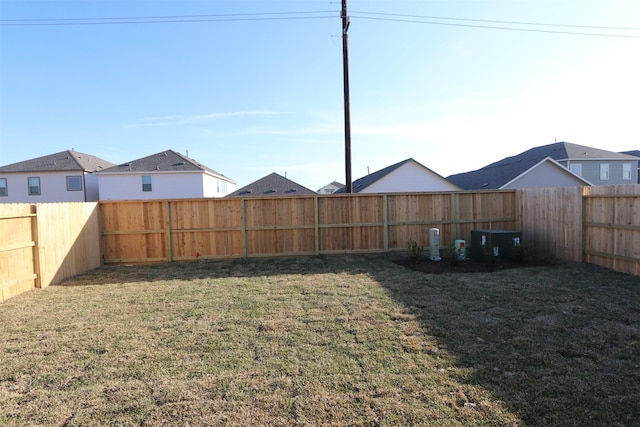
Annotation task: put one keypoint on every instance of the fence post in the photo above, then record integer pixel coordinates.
(36, 246)
(243, 218)
(169, 232)
(316, 220)
(455, 224)
(385, 221)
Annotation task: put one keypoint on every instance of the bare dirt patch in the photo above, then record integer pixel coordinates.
(428, 266)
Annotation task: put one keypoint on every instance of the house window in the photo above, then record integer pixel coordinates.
(576, 168)
(74, 183)
(146, 183)
(604, 171)
(223, 186)
(4, 191)
(34, 186)
(626, 171)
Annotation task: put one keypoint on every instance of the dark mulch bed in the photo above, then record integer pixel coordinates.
(425, 265)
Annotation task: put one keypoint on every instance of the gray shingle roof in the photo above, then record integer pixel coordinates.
(165, 161)
(635, 153)
(69, 160)
(497, 174)
(272, 185)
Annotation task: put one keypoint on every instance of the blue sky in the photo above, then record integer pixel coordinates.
(251, 97)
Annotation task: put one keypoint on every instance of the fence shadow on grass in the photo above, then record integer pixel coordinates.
(558, 345)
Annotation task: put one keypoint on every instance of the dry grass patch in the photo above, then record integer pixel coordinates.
(322, 341)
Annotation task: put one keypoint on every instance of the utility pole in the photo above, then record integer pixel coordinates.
(347, 108)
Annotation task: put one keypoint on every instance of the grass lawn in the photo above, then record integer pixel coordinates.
(337, 341)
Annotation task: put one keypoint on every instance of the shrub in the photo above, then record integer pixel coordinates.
(518, 252)
(415, 250)
(489, 254)
(453, 254)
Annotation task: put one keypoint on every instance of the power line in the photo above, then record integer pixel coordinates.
(269, 16)
(169, 16)
(161, 22)
(531, 30)
(301, 15)
(501, 22)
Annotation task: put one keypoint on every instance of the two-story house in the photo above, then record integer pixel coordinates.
(67, 176)
(164, 175)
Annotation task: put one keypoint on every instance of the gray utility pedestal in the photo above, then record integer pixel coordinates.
(500, 243)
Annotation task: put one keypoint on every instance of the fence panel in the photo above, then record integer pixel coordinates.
(17, 250)
(551, 221)
(280, 226)
(73, 248)
(410, 216)
(135, 231)
(493, 210)
(207, 228)
(612, 227)
(351, 223)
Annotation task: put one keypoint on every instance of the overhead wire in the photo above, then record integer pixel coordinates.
(165, 19)
(319, 14)
(444, 18)
(491, 27)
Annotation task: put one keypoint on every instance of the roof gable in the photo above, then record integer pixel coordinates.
(543, 167)
(376, 177)
(165, 161)
(68, 160)
(272, 185)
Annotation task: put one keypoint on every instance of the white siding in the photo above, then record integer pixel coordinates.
(121, 186)
(53, 187)
(92, 190)
(545, 175)
(213, 186)
(410, 178)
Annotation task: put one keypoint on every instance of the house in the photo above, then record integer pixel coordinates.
(330, 188)
(538, 167)
(519, 174)
(272, 185)
(165, 175)
(635, 153)
(407, 176)
(67, 176)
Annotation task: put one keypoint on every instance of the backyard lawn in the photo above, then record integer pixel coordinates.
(353, 340)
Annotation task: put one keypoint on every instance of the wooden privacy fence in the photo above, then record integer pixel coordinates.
(167, 230)
(45, 243)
